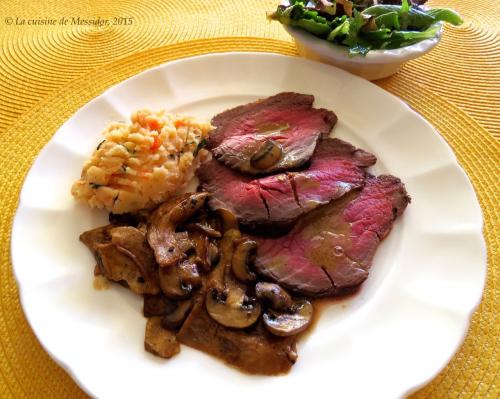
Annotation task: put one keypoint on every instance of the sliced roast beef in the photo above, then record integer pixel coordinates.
(278, 200)
(331, 248)
(274, 134)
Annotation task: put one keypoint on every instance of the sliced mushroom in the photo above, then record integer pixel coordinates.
(184, 243)
(212, 253)
(174, 318)
(216, 276)
(159, 341)
(296, 320)
(132, 242)
(228, 219)
(275, 296)
(92, 238)
(226, 301)
(231, 307)
(161, 233)
(267, 155)
(243, 256)
(177, 282)
(200, 242)
(205, 229)
(120, 268)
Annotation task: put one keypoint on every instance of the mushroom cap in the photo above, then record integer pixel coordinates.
(274, 295)
(267, 155)
(291, 323)
(169, 246)
(232, 308)
(178, 281)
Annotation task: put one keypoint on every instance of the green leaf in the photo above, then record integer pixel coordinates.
(285, 15)
(446, 15)
(412, 17)
(377, 37)
(340, 30)
(389, 20)
(375, 11)
(357, 22)
(357, 45)
(404, 14)
(316, 28)
(405, 6)
(405, 38)
(310, 21)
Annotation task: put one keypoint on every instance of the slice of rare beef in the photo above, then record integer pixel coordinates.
(273, 134)
(278, 200)
(331, 249)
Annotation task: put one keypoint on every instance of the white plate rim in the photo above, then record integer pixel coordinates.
(69, 369)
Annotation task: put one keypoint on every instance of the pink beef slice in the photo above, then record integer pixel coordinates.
(331, 249)
(278, 200)
(286, 118)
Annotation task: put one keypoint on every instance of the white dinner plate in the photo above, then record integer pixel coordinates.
(404, 325)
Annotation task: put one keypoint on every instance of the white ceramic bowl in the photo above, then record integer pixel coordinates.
(377, 64)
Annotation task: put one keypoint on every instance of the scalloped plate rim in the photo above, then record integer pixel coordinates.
(65, 364)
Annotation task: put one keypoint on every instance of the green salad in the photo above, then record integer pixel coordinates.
(361, 28)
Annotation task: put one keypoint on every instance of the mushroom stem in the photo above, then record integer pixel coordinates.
(225, 300)
(229, 221)
(204, 229)
(216, 277)
(244, 254)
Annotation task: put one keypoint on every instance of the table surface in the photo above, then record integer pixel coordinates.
(52, 63)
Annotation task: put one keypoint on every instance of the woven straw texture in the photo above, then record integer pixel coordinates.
(48, 72)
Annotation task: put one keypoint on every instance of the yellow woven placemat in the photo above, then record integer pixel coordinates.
(46, 74)
(38, 59)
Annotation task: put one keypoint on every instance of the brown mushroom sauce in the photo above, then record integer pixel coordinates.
(195, 271)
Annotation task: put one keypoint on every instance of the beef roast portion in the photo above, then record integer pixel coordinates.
(331, 249)
(278, 200)
(253, 351)
(274, 134)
